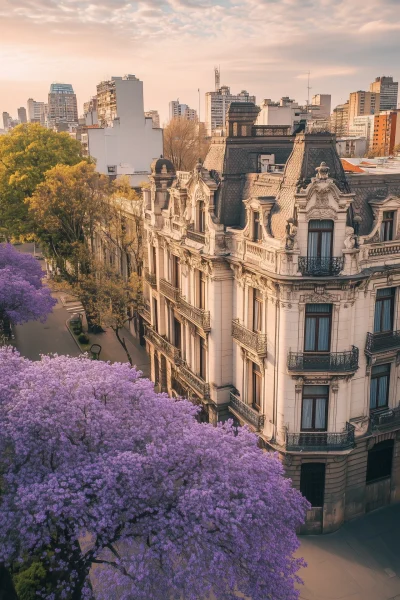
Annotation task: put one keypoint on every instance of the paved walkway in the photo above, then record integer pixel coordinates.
(361, 561)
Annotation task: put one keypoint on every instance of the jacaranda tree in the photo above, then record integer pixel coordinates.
(23, 297)
(123, 494)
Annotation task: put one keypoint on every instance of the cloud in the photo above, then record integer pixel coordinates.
(379, 26)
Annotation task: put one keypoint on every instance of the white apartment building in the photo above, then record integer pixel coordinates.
(274, 299)
(217, 104)
(125, 141)
(321, 106)
(363, 126)
(352, 147)
(286, 112)
(37, 112)
(178, 110)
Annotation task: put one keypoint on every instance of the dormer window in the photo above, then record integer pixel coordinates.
(387, 226)
(320, 239)
(257, 233)
(202, 217)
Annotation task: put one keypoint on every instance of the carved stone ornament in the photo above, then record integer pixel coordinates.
(324, 298)
(322, 213)
(322, 198)
(322, 171)
(299, 385)
(349, 240)
(291, 233)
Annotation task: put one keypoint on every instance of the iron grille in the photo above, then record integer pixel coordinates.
(247, 412)
(332, 361)
(321, 267)
(314, 441)
(251, 339)
(378, 342)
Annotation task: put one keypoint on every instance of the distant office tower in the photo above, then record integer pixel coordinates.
(363, 103)
(218, 102)
(386, 132)
(62, 105)
(154, 116)
(178, 110)
(124, 142)
(321, 106)
(340, 120)
(37, 111)
(6, 120)
(388, 90)
(22, 114)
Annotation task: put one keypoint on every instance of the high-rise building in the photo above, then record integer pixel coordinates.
(321, 106)
(218, 102)
(6, 120)
(63, 107)
(340, 120)
(286, 112)
(37, 111)
(183, 111)
(154, 116)
(123, 142)
(22, 114)
(386, 132)
(388, 90)
(363, 103)
(90, 111)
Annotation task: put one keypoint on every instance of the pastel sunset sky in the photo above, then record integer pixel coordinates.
(264, 46)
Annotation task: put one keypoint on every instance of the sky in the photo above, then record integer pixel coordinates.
(263, 46)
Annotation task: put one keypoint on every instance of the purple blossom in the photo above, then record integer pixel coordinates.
(22, 294)
(163, 507)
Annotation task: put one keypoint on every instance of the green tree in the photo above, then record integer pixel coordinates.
(66, 208)
(27, 152)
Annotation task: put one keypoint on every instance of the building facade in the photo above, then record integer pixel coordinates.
(388, 90)
(386, 132)
(217, 105)
(22, 114)
(181, 111)
(363, 127)
(363, 103)
(154, 116)
(62, 105)
(37, 112)
(352, 147)
(340, 120)
(321, 106)
(273, 298)
(124, 142)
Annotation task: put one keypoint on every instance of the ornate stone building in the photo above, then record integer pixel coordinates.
(272, 294)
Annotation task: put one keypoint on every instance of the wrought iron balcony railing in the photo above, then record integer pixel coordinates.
(150, 278)
(145, 312)
(315, 441)
(332, 361)
(321, 267)
(164, 345)
(385, 419)
(197, 315)
(169, 290)
(247, 412)
(195, 381)
(196, 236)
(379, 342)
(257, 342)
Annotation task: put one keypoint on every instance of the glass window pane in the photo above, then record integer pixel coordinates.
(320, 413)
(373, 393)
(309, 342)
(323, 334)
(324, 224)
(378, 316)
(326, 239)
(381, 369)
(312, 251)
(382, 390)
(387, 315)
(306, 420)
(315, 390)
(318, 308)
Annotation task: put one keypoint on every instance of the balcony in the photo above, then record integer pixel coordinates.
(195, 381)
(382, 341)
(145, 312)
(246, 412)
(321, 267)
(162, 344)
(168, 290)
(197, 315)
(385, 419)
(150, 278)
(196, 236)
(255, 342)
(342, 362)
(320, 441)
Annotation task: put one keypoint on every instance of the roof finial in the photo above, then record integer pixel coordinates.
(322, 171)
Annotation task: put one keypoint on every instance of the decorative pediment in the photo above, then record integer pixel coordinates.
(322, 199)
(379, 206)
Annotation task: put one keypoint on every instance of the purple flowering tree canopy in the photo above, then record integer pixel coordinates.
(126, 495)
(23, 297)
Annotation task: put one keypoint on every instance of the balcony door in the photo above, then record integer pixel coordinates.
(320, 239)
(384, 310)
(379, 390)
(317, 331)
(387, 226)
(314, 410)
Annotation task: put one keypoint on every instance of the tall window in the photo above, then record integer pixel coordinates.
(312, 483)
(155, 314)
(256, 381)
(314, 411)
(202, 358)
(202, 217)
(257, 234)
(201, 278)
(379, 391)
(176, 272)
(320, 239)
(156, 370)
(384, 310)
(177, 334)
(154, 260)
(387, 226)
(317, 334)
(380, 458)
(257, 310)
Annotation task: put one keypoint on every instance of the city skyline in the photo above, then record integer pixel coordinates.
(173, 50)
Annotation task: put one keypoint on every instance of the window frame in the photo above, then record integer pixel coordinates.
(318, 316)
(256, 226)
(256, 386)
(177, 333)
(380, 300)
(385, 406)
(257, 302)
(201, 294)
(314, 398)
(201, 216)
(175, 271)
(320, 231)
(386, 229)
(202, 358)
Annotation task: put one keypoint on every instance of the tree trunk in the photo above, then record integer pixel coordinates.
(7, 590)
(123, 344)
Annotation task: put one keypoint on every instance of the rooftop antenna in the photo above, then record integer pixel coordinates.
(308, 88)
(217, 72)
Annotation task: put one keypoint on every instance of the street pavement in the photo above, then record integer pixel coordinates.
(361, 561)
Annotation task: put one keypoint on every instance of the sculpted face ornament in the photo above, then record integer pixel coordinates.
(322, 171)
